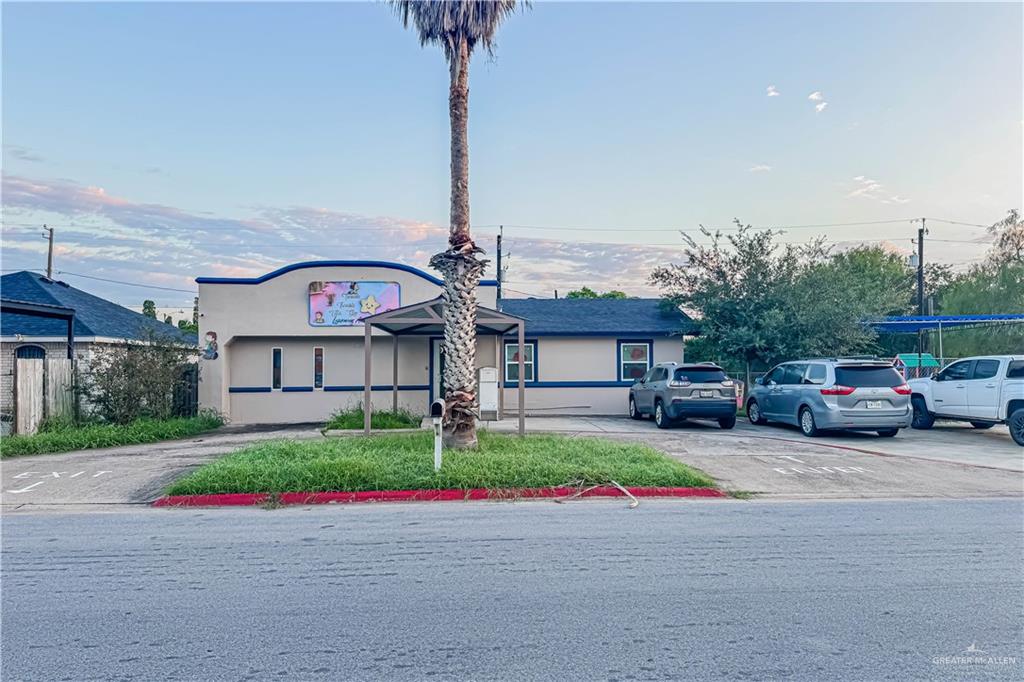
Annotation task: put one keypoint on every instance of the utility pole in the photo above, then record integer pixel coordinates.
(501, 229)
(921, 232)
(48, 234)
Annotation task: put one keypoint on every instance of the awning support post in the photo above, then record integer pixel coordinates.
(499, 344)
(394, 373)
(522, 386)
(367, 358)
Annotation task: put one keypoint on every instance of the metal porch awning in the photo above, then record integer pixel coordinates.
(427, 319)
(911, 324)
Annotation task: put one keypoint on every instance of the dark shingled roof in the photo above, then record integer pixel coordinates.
(94, 316)
(598, 316)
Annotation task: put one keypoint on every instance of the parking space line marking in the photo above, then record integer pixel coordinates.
(789, 457)
(76, 474)
(26, 489)
(100, 473)
(24, 474)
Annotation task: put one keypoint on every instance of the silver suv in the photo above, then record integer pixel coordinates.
(854, 394)
(672, 392)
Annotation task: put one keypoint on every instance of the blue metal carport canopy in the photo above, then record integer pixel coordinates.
(909, 324)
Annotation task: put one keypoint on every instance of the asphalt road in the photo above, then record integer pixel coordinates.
(866, 590)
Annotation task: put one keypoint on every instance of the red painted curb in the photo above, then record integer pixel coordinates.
(448, 495)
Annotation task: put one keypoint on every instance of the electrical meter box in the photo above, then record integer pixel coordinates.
(487, 393)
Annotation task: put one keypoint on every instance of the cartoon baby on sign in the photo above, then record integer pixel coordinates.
(344, 304)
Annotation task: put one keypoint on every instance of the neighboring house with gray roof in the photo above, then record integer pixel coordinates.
(97, 322)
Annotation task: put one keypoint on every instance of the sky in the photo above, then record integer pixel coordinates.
(169, 141)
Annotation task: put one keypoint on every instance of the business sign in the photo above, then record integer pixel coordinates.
(344, 304)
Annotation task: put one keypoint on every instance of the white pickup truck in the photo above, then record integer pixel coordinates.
(984, 391)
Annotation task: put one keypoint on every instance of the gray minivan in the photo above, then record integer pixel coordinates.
(833, 393)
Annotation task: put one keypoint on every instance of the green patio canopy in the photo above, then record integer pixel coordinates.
(910, 360)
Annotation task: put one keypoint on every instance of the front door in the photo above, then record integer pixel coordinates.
(949, 391)
(787, 400)
(983, 389)
(773, 388)
(643, 393)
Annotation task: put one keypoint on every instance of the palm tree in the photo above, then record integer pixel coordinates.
(458, 26)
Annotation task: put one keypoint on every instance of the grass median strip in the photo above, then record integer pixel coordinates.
(405, 462)
(63, 438)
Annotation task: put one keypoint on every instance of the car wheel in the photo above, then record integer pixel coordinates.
(888, 433)
(634, 412)
(754, 413)
(660, 418)
(727, 422)
(982, 425)
(1016, 424)
(923, 419)
(807, 425)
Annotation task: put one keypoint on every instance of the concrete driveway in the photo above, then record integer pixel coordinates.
(133, 474)
(947, 461)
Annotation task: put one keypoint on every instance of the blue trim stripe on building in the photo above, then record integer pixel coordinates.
(309, 389)
(425, 387)
(331, 264)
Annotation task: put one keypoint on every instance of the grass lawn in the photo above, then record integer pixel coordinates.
(352, 418)
(66, 437)
(406, 462)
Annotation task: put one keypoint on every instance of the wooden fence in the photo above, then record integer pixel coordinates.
(43, 388)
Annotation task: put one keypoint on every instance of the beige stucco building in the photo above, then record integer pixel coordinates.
(287, 347)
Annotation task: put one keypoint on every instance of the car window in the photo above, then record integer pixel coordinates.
(1015, 370)
(870, 376)
(700, 375)
(774, 375)
(816, 374)
(794, 374)
(648, 376)
(660, 374)
(985, 369)
(958, 371)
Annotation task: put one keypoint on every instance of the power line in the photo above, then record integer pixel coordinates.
(690, 229)
(130, 284)
(956, 222)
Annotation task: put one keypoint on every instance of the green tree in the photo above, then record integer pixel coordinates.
(736, 286)
(992, 287)
(587, 292)
(149, 308)
(458, 28)
(760, 301)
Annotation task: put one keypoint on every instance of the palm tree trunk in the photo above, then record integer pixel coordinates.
(461, 270)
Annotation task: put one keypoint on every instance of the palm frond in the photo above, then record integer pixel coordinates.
(449, 22)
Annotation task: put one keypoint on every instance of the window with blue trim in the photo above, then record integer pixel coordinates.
(512, 361)
(275, 367)
(634, 359)
(318, 367)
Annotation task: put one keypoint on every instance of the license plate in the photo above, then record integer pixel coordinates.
(874, 404)
(707, 394)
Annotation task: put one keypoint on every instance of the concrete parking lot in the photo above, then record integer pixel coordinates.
(776, 462)
(133, 474)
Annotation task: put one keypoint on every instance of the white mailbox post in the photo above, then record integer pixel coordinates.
(436, 414)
